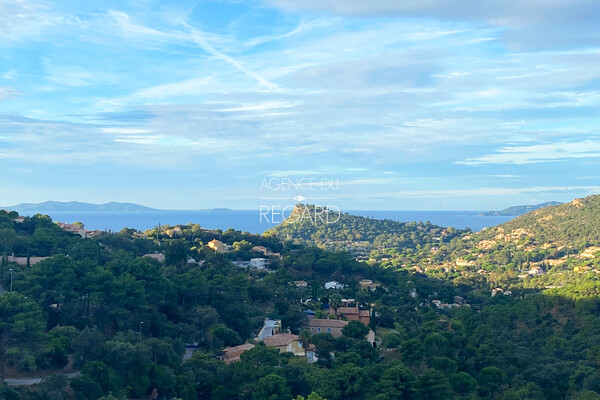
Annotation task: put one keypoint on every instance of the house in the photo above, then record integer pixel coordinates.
(23, 260)
(334, 285)
(92, 234)
(349, 310)
(259, 263)
(156, 256)
(333, 326)
(266, 252)
(19, 220)
(536, 271)
(285, 342)
(73, 229)
(174, 232)
(367, 284)
(231, 354)
(301, 284)
(218, 246)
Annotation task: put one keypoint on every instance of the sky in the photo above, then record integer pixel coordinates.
(380, 104)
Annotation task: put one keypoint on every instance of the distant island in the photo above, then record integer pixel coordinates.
(63, 206)
(515, 211)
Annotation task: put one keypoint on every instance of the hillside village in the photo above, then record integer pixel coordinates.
(198, 303)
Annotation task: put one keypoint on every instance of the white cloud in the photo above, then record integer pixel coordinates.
(536, 23)
(25, 19)
(7, 93)
(190, 87)
(494, 191)
(560, 151)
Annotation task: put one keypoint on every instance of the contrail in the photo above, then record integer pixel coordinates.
(199, 39)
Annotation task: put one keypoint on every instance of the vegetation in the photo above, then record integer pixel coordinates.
(124, 320)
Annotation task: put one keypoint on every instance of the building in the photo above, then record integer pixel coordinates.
(265, 251)
(334, 285)
(174, 232)
(285, 342)
(349, 310)
(231, 354)
(333, 326)
(259, 263)
(536, 271)
(301, 284)
(218, 246)
(155, 256)
(367, 284)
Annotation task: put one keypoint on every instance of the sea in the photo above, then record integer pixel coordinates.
(250, 220)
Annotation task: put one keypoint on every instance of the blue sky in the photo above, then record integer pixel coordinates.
(408, 105)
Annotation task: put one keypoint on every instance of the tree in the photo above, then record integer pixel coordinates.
(398, 382)
(312, 396)
(21, 325)
(335, 302)
(355, 330)
(433, 385)
(272, 387)
(490, 380)
(304, 337)
(412, 351)
(462, 383)
(346, 382)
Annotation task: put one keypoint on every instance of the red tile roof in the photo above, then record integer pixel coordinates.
(326, 323)
(281, 339)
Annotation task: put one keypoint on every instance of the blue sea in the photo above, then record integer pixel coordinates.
(249, 220)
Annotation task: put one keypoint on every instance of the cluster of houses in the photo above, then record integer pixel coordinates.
(458, 302)
(287, 342)
(365, 284)
(73, 228)
(258, 263)
(337, 318)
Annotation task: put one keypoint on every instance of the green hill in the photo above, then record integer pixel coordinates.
(520, 210)
(572, 224)
(356, 233)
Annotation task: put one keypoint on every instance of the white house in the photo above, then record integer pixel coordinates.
(259, 263)
(334, 285)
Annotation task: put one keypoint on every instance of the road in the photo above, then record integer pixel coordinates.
(34, 381)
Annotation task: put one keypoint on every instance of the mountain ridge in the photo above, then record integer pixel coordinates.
(515, 211)
(77, 206)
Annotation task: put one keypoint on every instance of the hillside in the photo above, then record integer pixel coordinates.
(360, 235)
(122, 314)
(573, 224)
(520, 210)
(76, 206)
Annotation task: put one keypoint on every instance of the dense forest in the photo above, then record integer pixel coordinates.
(121, 318)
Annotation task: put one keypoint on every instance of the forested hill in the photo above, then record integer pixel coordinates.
(520, 210)
(574, 224)
(352, 232)
(121, 307)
